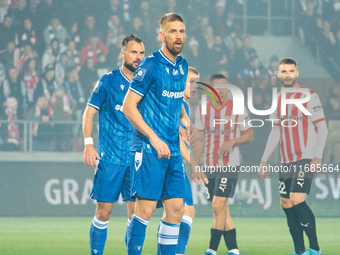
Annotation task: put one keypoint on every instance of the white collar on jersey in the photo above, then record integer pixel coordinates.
(174, 64)
(121, 72)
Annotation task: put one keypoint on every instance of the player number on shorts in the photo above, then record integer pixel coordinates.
(207, 194)
(282, 187)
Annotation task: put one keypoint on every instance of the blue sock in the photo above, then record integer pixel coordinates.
(167, 238)
(184, 232)
(136, 235)
(128, 224)
(98, 234)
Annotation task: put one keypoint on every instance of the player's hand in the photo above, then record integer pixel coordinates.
(225, 147)
(90, 155)
(263, 170)
(184, 135)
(197, 175)
(193, 134)
(161, 148)
(315, 164)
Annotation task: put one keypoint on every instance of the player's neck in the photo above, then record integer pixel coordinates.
(296, 85)
(186, 98)
(127, 73)
(168, 54)
(218, 106)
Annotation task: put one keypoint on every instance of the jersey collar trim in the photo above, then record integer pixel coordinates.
(121, 72)
(174, 64)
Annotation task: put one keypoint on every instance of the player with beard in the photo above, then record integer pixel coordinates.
(112, 158)
(302, 143)
(154, 106)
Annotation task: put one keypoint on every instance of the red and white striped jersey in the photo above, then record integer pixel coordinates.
(299, 137)
(220, 125)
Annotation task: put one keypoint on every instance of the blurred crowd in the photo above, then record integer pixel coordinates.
(52, 53)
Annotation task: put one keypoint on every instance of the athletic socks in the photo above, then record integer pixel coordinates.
(98, 234)
(295, 229)
(307, 221)
(127, 227)
(215, 238)
(167, 238)
(136, 235)
(184, 232)
(230, 240)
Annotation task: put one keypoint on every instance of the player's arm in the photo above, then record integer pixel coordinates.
(246, 137)
(318, 117)
(191, 131)
(199, 146)
(272, 142)
(131, 112)
(90, 153)
(197, 176)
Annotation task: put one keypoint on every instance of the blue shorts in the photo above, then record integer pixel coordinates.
(109, 181)
(154, 178)
(187, 199)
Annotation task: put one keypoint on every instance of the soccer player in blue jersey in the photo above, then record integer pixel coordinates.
(154, 106)
(112, 158)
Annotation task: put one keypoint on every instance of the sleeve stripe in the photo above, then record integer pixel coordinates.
(244, 131)
(94, 106)
(137, 92)
(317, 121)
(200, 130)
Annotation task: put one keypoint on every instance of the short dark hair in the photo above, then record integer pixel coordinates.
(217, 76)
(193, 70)
(288, 61)
(130, 38)
(170, 17)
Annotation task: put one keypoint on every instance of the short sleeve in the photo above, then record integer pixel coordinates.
(198, 120)
(99, 93)
(143, 77)
(244, 118)
(315, 108)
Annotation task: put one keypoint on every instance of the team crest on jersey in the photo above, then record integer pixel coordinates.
(139, 74)
(138, 160)
(174, 72)
(122, 86)
(181, 69)
(96, 88)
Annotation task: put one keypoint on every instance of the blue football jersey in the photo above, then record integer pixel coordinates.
(114, 128)
(161, 83)
(186, 108)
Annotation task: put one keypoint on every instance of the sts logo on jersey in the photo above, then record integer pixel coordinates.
(139, 74)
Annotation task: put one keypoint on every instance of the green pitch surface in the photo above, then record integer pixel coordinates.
(60, 236)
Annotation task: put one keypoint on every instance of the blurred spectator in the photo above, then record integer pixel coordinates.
(332, 114)
(102, 67)
(51, 54)
(193, 54)
(306, 21)
(218, 56)
(7, 32)
(88, 75)
(272, 71)
(55, 30)
(328, 10)
(12, 142)
(48, 84)
(43, 131)
(21, 13)
(137, 27)
(27, 54)
(73, 54)
(3, 9)
(61, 67)
(45, 10)
(114, 29)
(90, 29)
(12, 87)
(31, 78)
(26, 35)
(10, 56)
(327, 41)
(62, 107)
(73, 35)
(217, 18)
(257, 8)
(93, 46)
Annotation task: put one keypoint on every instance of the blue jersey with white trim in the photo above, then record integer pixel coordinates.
(161, 83)
(186, 108)
(114, 128)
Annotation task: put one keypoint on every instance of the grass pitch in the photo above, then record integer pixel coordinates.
(61, 235)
